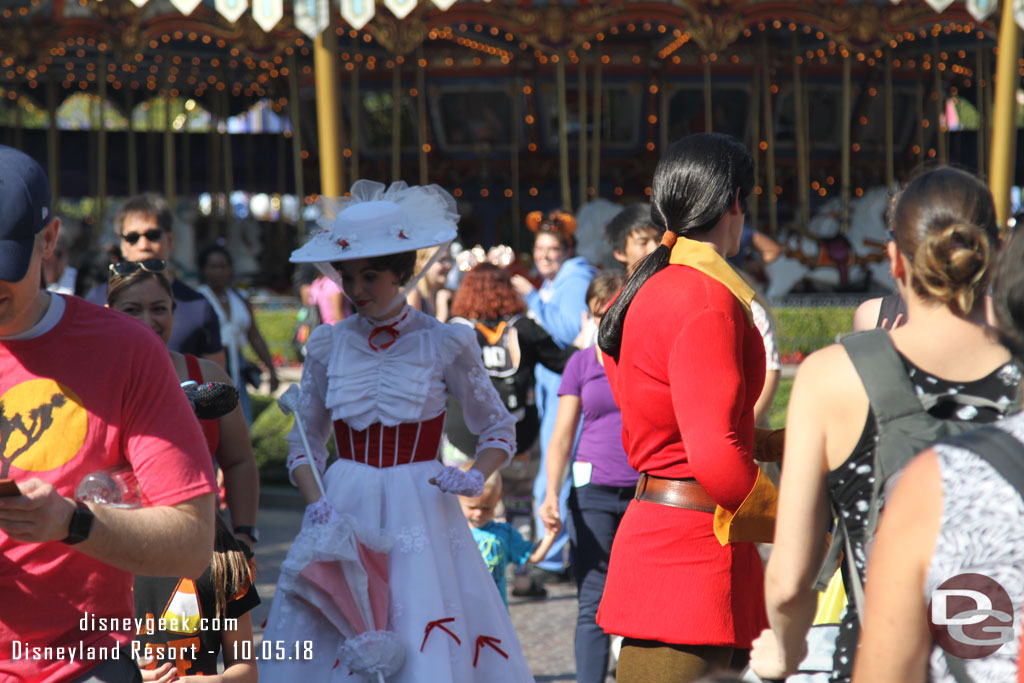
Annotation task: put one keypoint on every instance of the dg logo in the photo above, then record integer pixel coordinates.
(970, 616)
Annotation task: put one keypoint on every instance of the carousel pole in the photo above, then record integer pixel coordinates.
(101, 155)
(396, 120)
(328, 123)
(844, 118)
(19, 124)
(595, 137)
(563, 134)
(215, 161)
(355, 111)
(980, 83)
(919, 97)
(803, 179)
(708, 118)
(1004, 127)
(52, 138)
(940, 104)
(90, 148)
(293, 113)
(581, 99)
(755, 134)
(168, 136)
(769, 136)
(421, 111)
(229, 165)
(186, 160)
(663, 102)
(133, 157)
(890, 163)
(515, 127)
(282, 177)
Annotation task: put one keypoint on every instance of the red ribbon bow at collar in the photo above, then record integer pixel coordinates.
(388, 330)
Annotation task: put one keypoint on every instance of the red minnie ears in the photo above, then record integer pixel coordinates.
(562, 222)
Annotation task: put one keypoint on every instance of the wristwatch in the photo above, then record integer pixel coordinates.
(250, 531)
(80, 524)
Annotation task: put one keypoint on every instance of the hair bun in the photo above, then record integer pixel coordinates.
(952, 264)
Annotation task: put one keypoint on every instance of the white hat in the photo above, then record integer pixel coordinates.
(376, 221)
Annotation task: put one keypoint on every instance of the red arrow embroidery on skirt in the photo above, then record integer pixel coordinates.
(489, 641)
(439, 623)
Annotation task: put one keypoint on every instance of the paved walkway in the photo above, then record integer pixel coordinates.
(545, 627)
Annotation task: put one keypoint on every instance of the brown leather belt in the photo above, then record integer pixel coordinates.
(678, 493)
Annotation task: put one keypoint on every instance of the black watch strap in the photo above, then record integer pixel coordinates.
(250, 531)
(80, 525)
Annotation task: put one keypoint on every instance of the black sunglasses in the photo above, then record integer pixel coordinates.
(892, 238)
(150, 265)
(152, 235)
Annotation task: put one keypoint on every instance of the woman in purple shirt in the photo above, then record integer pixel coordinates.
(603, 481)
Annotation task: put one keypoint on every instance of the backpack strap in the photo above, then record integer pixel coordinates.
(998, 448)
(885, 381)
(882, 373)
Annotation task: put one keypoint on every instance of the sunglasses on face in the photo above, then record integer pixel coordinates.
(151, 265)
(151, 235)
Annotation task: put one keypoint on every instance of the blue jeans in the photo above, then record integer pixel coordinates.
(596, 512)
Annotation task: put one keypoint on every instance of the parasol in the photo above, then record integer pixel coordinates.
(340, 571)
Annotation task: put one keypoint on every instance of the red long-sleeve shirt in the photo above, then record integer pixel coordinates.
(689, 372)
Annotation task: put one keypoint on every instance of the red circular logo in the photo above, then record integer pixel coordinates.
(970, 616)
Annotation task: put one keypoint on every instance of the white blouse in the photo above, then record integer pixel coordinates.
(346, 377)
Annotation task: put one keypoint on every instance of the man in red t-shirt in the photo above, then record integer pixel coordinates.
(82, 389)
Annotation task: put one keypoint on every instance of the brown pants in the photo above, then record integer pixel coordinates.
(650, 661)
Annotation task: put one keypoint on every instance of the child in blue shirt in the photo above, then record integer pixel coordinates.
(500, 542)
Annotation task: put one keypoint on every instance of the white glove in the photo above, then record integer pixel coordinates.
(320, 512)
(454, 480)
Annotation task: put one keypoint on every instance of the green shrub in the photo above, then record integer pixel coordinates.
(260, 403)
(268, 444)
(801, 330)
(276, 326)
(777, 414)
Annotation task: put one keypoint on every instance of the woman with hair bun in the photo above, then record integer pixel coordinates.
(943, 244)
(686, 365)
(951, 513)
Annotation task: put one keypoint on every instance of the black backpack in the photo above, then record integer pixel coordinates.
(502, 356)
(905, 428)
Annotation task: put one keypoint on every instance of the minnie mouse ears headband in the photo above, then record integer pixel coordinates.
(562, 222)
(500, 255)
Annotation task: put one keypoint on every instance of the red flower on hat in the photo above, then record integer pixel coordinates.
(402, 235)
(344, 243)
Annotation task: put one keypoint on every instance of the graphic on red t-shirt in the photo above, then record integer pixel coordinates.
(42, 426)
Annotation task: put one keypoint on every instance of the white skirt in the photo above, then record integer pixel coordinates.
(435, 572)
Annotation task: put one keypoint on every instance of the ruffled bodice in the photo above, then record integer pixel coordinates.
(396, 371)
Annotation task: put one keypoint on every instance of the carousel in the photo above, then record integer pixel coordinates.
(513, 106)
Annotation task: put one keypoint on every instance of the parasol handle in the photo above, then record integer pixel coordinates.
(289, 402)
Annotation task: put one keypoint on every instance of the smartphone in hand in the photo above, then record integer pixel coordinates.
(8, 488)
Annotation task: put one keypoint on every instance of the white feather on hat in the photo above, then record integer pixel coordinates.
(376, 221)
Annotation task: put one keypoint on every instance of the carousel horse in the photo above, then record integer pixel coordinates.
(829, 259)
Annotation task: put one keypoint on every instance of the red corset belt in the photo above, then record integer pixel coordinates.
(380, 446)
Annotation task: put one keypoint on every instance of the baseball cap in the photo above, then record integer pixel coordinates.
(24, 211)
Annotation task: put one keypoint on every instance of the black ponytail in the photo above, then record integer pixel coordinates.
(695, 183)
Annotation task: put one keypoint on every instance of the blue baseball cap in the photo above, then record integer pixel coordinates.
(24, 211)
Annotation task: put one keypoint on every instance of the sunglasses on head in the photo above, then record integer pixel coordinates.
(150, 265)
(151, 235)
